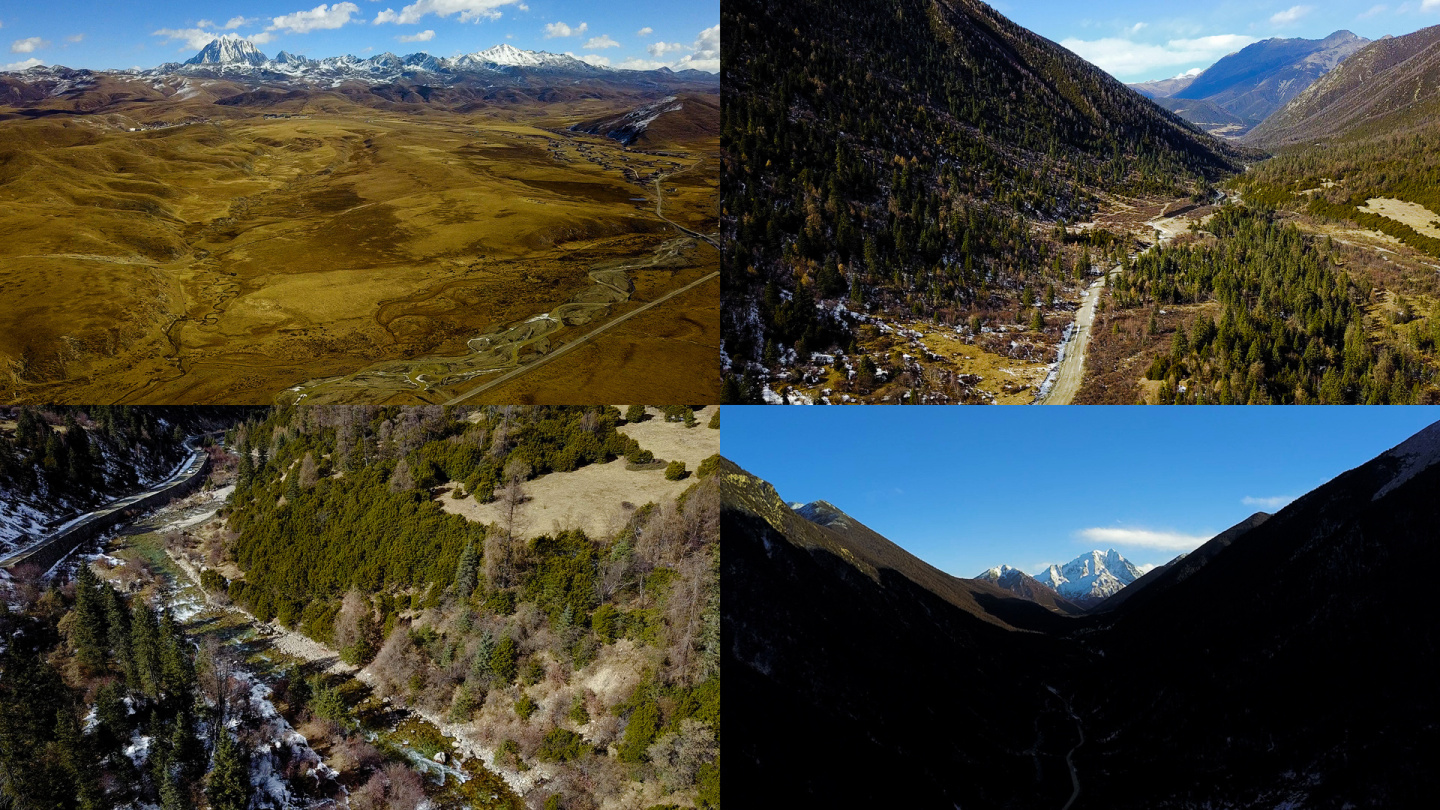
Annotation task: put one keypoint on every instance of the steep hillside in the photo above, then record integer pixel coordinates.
(1391, 83)
(887, 160)
(1253, 652)
(1257, 80)
(58, 461)
(870, 664)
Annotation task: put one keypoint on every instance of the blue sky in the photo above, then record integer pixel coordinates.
(967, 488)
(1139, 41)
(127, 33)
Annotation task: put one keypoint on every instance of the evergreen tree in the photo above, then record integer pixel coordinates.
(145, 647)
(467, 573)
(503, 660)
(87, 621)
(228, 785)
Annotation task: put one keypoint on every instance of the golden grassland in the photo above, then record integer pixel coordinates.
(231, 260)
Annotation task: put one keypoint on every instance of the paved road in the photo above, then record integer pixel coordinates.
(1072, 368)
(540, 361)
(515, 372)
(192, 464)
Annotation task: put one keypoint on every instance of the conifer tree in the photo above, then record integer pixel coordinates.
(228, 785)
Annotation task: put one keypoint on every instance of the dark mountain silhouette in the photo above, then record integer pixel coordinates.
(1292, 668)
(1392, 83)
(1180, 568)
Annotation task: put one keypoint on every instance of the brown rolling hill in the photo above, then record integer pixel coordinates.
(1391, 83)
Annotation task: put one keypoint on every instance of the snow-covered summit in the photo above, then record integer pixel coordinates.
(229, 51)
(1091, 576)
(508, 55)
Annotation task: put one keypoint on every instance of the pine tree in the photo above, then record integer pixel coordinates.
(467, 573)
(145, 646)
(87, 621)
(228, 786)
(503, 660)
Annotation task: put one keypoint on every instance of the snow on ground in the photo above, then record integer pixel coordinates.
(270, 786)
(139, 749)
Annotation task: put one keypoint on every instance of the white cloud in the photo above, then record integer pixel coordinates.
(659, 49)
(233, 22)
(707, 52)
(1135, 29)
(1147, 538)
(322, 17)
(600, 43)
(594, 59)
(645, 32)
(28, 63)
(1430, 4)
(205, 23)
(193, 38)
(261, 38)
(1292, 14)
(423, 36)
(469, 11)
(560, 29)
(1376, 9)
(28, 45)
(1123, 57)
(75, 38)
(1274, 502)
(704, 54)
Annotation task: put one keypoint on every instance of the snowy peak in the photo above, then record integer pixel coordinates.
(227, 51)
(823, 513)
(510, 56)
(1091, 577)
(998, 573)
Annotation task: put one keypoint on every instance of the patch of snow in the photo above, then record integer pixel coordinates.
(1415, 455)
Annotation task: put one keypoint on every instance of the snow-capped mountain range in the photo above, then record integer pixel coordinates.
(1085, 580)
(239, 60)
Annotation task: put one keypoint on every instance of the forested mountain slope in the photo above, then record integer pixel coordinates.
(594, 659)
(893, 157)
(57, 460)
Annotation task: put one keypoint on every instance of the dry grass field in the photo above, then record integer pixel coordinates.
(349, 254)
(600, 498)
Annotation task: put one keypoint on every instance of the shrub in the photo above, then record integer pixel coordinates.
(715, 420)
(561, 745)
(634, 413)
(525, 706)
(708, 466)
(675, 471)
(508, 752)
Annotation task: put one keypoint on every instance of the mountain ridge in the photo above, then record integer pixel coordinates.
(1252, 83)
(1391, 82)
